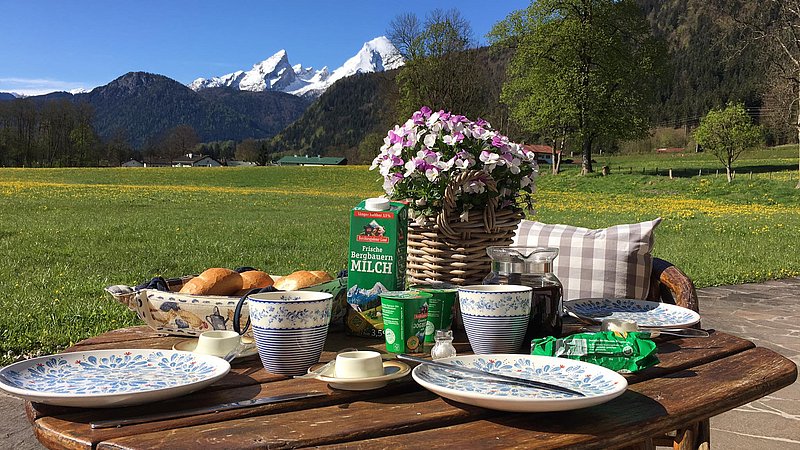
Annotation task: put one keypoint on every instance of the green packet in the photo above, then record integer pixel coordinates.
(621, 352)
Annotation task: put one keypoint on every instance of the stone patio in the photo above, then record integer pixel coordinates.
(765, 313)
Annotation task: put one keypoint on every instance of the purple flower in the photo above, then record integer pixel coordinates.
(394, 138)
(425, 111)
(497, 141)
(481, 123)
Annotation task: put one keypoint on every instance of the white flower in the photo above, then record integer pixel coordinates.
(432, 173)
(475, 187)
(490, 160)
(429, 140)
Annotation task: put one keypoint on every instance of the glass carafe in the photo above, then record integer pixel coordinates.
(531, 266)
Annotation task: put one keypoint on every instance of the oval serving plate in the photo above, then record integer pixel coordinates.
(646, 314)
(597, 383)
(111, 378)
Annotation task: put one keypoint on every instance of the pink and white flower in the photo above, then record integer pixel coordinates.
(419, 158)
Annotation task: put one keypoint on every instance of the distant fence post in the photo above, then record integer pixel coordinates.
(670, 174)
(700, 173)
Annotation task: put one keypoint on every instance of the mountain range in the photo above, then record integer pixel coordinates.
(276, 73)
(257, 103)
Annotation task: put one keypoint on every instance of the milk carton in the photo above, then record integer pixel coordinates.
(376, 262)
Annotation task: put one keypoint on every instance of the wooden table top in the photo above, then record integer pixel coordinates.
(695, 379)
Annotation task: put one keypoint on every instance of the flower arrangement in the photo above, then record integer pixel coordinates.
(418, 159)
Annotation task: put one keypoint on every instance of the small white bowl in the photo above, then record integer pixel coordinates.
(217, 342)
(359, 364)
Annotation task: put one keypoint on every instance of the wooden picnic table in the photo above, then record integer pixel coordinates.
(695, 379)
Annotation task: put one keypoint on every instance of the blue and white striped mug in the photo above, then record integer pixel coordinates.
(289, 328)
(495, 316)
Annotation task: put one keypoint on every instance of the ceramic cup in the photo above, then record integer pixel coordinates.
(217, 342)
(358, 364)
(495, 316)
(289, 328)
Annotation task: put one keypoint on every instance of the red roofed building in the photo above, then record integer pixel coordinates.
(544, 153)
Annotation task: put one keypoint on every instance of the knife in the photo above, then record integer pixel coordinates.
(203, 410)
(494, 376)
(656, 332)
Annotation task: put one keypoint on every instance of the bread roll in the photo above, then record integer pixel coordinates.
(322, 276)
(254, 279)
(301, 279)
(214, 281)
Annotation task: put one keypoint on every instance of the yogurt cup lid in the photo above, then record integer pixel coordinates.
(405, 295)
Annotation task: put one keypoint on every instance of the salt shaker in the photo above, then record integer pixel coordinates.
(443, 348)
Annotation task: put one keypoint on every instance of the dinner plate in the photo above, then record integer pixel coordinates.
(646, 314)
(111, 378)
(391, 370)
(598, 384)
(190, 345)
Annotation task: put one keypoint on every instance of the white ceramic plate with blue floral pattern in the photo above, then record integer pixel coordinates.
(598, 384)
(645, 314)
(111, 378)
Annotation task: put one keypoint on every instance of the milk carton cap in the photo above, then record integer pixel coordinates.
(377, 204)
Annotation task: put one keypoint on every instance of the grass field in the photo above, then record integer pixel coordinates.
(67, 233)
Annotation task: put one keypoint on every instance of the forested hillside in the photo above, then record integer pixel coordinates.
(709, 61)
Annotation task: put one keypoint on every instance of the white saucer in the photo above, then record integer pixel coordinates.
(190, 345)
(391, 370)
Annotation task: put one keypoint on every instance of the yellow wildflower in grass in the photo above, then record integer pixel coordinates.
(12, 188)
(667, 207)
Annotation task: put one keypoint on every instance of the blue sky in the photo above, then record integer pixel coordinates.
(48, 45)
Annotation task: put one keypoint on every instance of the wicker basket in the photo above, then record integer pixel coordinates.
(450, 248)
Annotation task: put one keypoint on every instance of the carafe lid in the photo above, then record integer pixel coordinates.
(522, 259)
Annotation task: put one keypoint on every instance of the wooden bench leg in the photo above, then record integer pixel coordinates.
(644, 445)
(694, 437)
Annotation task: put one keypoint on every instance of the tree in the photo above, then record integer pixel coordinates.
(773, 27)
(179, 141)
(248, 150)
(587, 68)
(726, 133)
(439, 70)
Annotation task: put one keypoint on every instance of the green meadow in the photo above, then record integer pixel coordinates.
(65, 234)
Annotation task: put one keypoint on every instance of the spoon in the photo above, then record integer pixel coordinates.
(236, 351)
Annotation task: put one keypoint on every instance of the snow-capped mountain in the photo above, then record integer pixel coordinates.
(276, 74)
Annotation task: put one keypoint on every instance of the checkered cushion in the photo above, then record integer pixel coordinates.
(610, 262)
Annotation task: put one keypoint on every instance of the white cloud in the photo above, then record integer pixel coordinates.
(37, 86)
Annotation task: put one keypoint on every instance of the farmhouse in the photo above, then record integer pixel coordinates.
(133, 163)
(312, 161)
(544, 153)
(192, 160)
